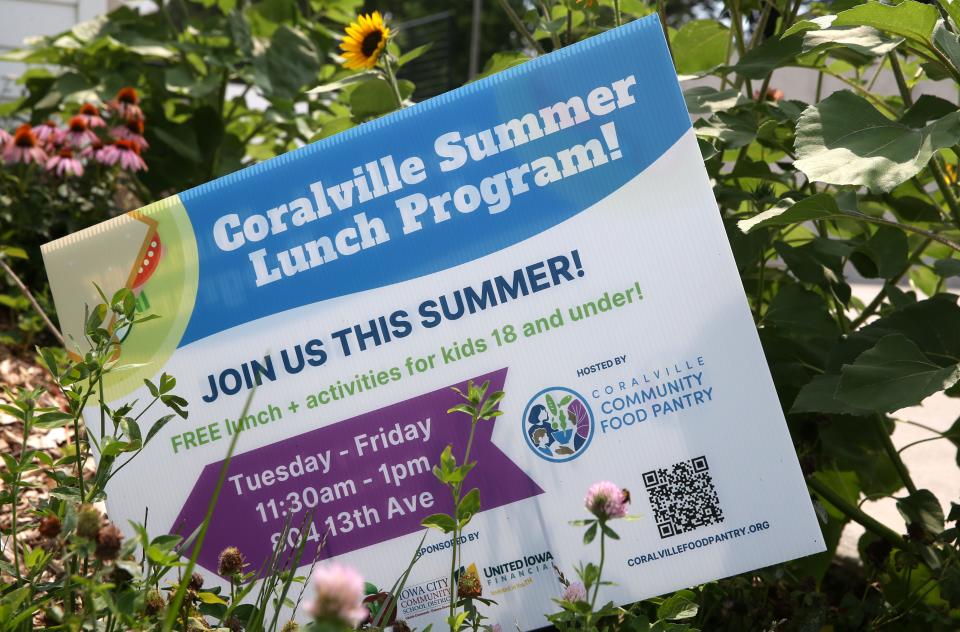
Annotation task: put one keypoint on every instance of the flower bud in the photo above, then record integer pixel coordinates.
(49, 526)
(196, 582)
(290, 626)
(230, 562)
(154, 602)
(109, 540)
(88, 522)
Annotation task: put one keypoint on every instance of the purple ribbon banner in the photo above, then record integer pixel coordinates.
(366, 480)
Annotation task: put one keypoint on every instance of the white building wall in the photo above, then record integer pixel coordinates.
(20, 19)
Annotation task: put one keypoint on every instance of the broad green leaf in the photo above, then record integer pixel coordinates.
(800, 311)
(912, 20)
(502, 61)
(699, 46)
(925, 109)
(375, 98)
(864, 40)
(679, 605)
(884, 255)
(817, 206)
(952, 7)
(845, 140)
(946, 41)
(469, 506)
(772, 54)
(289, 64)
(442, 522)
(923, 508)
(947, 268)
(820, 396)
(708, 100)
(893, 374)
(933, 325)
(734, 129)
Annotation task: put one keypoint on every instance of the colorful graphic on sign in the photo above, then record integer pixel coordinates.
(550, 229)
(558, 424)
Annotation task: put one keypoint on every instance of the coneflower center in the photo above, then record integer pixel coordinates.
(370, 43)
(24, 140)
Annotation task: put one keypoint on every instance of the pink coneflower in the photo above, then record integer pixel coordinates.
(131, 130)
(49, 133)
(127, 104)
(339, 594)
(24, 147)
(125, 152)
(64, 164)
(91, 150)
(78, 132)
(575, 592)
(606, 501)
(5, 138)
(91, 116)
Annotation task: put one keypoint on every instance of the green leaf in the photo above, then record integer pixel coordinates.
(502, 61)
(590, 533)
(800, 311)
(884, 255)
(440, 521)
(912, 20)
(947, 268)
(845, 140)
(209, 597)
(922, 508)
(469, 506)
(894, 374)
(946, 41)
(925, 109)
(952, 7)
(679, 605)
(409, 56)
(375, 98)
(862, 40)
(735, 129)
(759, 62)
(708, 100)
(933, 325)
(700, 46)
(786, 211)
(289, 64)
(820, 396)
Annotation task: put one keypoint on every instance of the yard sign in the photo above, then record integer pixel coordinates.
(550, 229)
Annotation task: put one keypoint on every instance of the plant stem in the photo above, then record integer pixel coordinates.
(662, 12)
(617, 19)
(877, 301)
(519, 26)
(603, 551)
(392, 80)
(855, 513)
(891, 451)
(737, 20)
(13, 504)
(33, 301)
(948, 195)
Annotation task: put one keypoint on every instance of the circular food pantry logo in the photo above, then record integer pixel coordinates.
(558, 424)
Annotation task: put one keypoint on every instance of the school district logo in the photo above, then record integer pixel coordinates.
(558, 424)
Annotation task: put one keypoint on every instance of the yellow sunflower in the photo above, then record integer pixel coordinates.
(364, 41)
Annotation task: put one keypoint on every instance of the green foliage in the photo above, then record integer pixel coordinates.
(857, 183)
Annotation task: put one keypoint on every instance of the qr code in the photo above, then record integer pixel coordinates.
(683, 497)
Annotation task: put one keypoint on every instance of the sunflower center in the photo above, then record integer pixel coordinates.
(370, 43)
